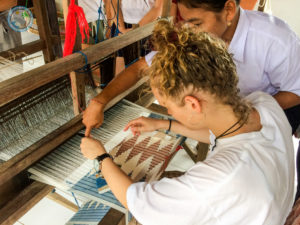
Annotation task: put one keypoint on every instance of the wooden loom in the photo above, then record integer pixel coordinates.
(17, 192)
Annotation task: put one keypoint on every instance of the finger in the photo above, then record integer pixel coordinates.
(126, 127)
(130, 124)
(135, 132)
(88, 131)
(82, 145)
(134, 128)
(83, 121)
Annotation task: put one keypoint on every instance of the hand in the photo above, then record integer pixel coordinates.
(91, 148)
(93, 116)
(142, 124)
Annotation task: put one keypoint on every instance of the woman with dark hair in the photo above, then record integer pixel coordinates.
(245, 178)
(264, 49)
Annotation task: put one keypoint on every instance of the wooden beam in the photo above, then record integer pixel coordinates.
(189, 152)
(261, 5)
(23, 202)
(145, 100)
(158, 109)
(39, 149)
(13, 187)
(202, 150)
(41, 13)
(78, 92)
(54, 28)
(113, 217)
(77, 79)
(23, 50)
(166, 8)
(62, 201)
(19, 85)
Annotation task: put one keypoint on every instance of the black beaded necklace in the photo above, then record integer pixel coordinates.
(226, 132)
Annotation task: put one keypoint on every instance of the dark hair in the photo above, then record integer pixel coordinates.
(210, 5)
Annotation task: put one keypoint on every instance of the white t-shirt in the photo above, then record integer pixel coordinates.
(266, 53)
(247, 179)
(90, 8)
(134, 10)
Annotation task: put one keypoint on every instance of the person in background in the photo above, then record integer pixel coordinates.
(135, 13)
(90, 9)
(245, 178)
(130, 14)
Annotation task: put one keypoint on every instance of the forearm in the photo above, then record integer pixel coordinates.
(108, 12)
(116, 179)
(152, 15)
(122, 82)
(287, 99)
(178, 128)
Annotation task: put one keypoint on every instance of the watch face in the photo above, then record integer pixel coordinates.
(96, 165)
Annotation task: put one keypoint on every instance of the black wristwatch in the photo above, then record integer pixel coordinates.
(98, 160)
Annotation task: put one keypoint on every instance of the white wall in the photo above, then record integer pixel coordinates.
(288, 10)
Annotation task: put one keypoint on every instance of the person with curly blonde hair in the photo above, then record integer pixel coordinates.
(245, 178)
(265, 51)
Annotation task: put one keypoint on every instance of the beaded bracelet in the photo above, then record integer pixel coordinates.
(170, 123)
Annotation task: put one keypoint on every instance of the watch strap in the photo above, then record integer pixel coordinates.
(100, 158)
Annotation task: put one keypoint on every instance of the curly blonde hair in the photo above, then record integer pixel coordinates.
(187, 58)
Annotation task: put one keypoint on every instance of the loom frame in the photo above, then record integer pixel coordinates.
(18, 195)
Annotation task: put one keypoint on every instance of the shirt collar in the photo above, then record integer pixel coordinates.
(238, 42)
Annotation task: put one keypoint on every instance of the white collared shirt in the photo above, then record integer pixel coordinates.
(266, 53)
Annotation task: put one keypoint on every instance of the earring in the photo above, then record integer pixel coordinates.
(229, 23)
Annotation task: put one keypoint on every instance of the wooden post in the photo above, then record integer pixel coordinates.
(202, 150)
(261, 5)
(18, 52)
(62, 201)
(158, 109)
(189, 152)
(41, 13)
(25, 200)
(113, 217)
(54, 27)
(77, 79)
(166, 8)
